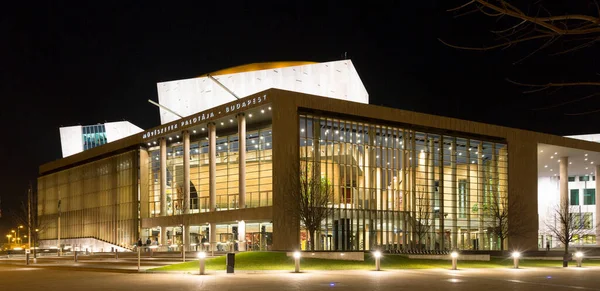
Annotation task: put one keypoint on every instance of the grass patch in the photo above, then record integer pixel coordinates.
(256, 261)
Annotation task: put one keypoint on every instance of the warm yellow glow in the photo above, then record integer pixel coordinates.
(201, 255)
(296, 255)
(579, 254)
(454, 255)
(258, 67)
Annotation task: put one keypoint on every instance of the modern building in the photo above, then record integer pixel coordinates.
(231, 173)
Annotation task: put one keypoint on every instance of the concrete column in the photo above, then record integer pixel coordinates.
(564, 182)
(163, 177)
(186, 172)
(242, 160)
(213, 236)
(595, 222)
(163, 235)
(480, 234)
(212, 166)
(454, 200)
(241, 236)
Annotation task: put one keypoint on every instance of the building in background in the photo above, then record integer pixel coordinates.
(223, 177)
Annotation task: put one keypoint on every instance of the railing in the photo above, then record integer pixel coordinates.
(259, 199)
(223, 202)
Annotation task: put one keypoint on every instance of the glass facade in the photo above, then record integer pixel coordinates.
(93, 136)
(259, 167)
(96, 200)
(399, 188)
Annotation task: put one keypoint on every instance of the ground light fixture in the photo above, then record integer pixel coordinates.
(297, 262)
(579, 258)
(201, 262)
(454, 256)
(516, 256)
(377, 255)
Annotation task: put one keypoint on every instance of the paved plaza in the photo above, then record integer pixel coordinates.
(96, 275)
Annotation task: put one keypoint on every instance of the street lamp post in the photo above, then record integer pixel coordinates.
(201, 262)
(377, 255)
(297, 262)
(516, 256)
(579, 258)
(454, 256)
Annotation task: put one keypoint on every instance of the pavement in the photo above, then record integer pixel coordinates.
(18, 277)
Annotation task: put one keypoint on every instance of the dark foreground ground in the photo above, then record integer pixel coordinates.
(22, 278)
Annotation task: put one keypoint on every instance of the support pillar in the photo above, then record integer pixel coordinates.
(213, 236)
(242, 160)
(597, 205)
(564, 182)
(241, 236)
(186, 172)
(454, 189)
(163, 177)
(480, 200)
(163, 235)
(212, 166)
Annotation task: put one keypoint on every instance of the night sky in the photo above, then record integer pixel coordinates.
(82, 63)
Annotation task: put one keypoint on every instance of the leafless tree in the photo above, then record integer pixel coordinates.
(531, 23)
(498, 211)
(422, 215)
(23, 217)
(565, 224)
(312, 194)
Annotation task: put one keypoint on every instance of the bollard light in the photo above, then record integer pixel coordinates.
(454, 256)
(579, 258)
(297, 262)
(377, 255)
(201, 259)
(516, 256)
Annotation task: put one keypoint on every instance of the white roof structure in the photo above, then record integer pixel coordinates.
(337, 79)
(76, 139)
(589, 137)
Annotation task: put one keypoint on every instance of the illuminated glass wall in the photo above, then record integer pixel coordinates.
(96, 200)
(396, 188)
(258, 173)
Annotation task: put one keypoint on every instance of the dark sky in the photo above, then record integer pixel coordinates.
(83, 63)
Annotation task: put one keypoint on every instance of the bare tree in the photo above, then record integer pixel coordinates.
(422, 215)
(27, 216)
(565, 224)
(534, 25)
(312, 194)
(498, 211)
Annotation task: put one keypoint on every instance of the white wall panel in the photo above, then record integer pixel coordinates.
(120, 129)
(71, 140)
(337, 79)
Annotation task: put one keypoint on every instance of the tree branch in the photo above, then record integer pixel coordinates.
(505, 44)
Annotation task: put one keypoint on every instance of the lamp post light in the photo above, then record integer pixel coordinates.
(297, 262)
(377, 255)
(201, 259)
(579, 258)
(454, 256)
(516, 256)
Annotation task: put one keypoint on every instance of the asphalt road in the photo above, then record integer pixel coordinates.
(547, 279)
